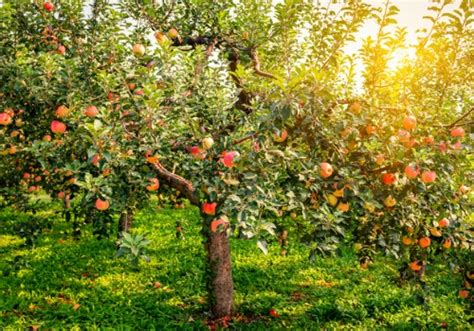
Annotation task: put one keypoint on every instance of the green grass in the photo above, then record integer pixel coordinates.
(40, 286)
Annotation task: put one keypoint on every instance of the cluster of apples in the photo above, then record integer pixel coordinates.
(139, 50)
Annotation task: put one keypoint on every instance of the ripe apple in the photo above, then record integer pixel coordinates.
(198, 153)
(370, 129)
(389, 179)
(411, 172)
(342, 206)
(428, 177)
(5, 119)
(91, 111)
(325, 170)
(215, 224)
(273, 313)
(102, 204)
(355, 107)
(443, 223)
(62, 111)
(424, 242)
(416, 266)
(404, 136)
(48, 6)
(209, 208)
(390, 201)
(435, 232)
(161, 37)
(406, 241)
(173, 33)
(428, 140)
(279, 138)
(154, 184)
(138, 50)
(331, 199)
(447, 244)
(47, 137)
(61, 50)
(457, 145)
(228, 158)
(458, 132)
(58, 127)
(409, 122)
(207, 143)
(464, 294)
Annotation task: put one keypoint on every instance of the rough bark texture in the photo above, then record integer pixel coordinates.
(220, 284)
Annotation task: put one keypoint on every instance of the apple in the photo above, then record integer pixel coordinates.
(355, 107)
(447, 243)
(424, 242)
(47, 137)
(138, 50)
(215, 224)
(139, 92)
(428, 140)
(464, 294)
(102, 204)
(207, 143)
(325, 170)
(62, 111)
(443, 223)
(428, 177)
(273, 313)
(457, 145)
(161, 37)
(390, 201)
(228, 158)
(95, 160)
(409, 122)
(443, 147)
(154, 184)
(411, 172)
(5, 119)
(389, 179)
(344, 207)
(370, 129)
(58, 127)
(48, 6)
(61, 50)
(209, 208)
(198, 153)
(416, 266)
(91, 111)
(404, 136)
(245, 35)
(457, 132)
(173, 33)
(279, 138)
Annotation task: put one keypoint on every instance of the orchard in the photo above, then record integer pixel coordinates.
(252, 115)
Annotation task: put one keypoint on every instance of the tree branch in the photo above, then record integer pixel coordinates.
(184, 186)
(256, 65)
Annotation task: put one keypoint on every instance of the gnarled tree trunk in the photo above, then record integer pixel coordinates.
(219, 283)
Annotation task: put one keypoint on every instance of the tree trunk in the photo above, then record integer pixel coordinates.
(125, 222)
(219, 283)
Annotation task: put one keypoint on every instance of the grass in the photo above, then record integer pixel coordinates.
(67, 284)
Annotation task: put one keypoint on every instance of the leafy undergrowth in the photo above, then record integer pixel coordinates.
(62, 283)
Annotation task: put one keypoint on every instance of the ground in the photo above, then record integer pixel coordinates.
(62, 283)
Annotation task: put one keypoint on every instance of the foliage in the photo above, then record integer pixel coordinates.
(133, 247)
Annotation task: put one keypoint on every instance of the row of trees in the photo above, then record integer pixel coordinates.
(250, 111)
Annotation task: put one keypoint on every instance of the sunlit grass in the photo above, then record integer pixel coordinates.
(62, 283)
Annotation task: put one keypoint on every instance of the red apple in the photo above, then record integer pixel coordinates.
(404, 136)
(58, 127)
(409, 122)
(279, 138)
(161, 37)
(457, 145)
(443, 223)
(209, 208)
(61, 49)
(154, 184)
(102, 204)
(47, 137)
(91, 111)
(411, 172)
(325, 170)
(228, 158)
(457, 132)
(5, 119)
(138, 50)
(48, 6)
(215, 224)
(428, 177)
(273, 313)
(389, 179)
(62, 111)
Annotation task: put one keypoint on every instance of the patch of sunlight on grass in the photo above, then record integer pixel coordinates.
(7, 240)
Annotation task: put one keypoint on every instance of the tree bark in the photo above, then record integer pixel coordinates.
(219, 283)
(125, 222)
